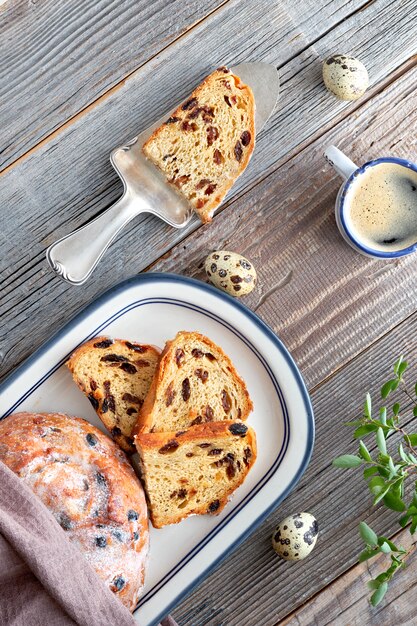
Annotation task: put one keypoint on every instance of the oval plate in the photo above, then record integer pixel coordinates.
(152, 308)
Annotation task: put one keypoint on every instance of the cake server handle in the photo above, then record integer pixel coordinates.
(75, 256)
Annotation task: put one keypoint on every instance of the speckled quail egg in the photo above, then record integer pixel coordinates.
(295, 537)
(230, 272)
(345, 77)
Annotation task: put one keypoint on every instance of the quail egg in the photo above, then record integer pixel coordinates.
(295, 537)
(345, 77)
(230, 272)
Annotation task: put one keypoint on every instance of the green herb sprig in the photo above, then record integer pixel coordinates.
(386, 475)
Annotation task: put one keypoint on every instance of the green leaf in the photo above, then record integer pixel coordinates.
(378, 595)
(376, 485)
(402, 453)
(346, 461)
(381, 578)
(373, 584)
(392, 545)
(412, 458)
(413, 439)
(384, 458)
(413, 526)
(380, 440)
(394, 502)
(385, 548)
(396, 408)
(367, 409)
(404, 520)
(388, 387)
(367, 534)
(354, 423)
(415, 411)
(382, 494)
(415, 389)
(397, 364)
(368, 554)
(392, 468)
(364, 452)
(382, 471)
(368, 472)
(365, 429)
(383, 415)
(401, 369)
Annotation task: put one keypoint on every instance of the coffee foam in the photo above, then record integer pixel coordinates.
(381, 207)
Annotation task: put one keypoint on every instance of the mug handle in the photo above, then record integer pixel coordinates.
(340, 162)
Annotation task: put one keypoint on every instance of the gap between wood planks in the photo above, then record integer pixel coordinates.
(377, 89)
(362, 572)
(122, 82)
(356, 356)
(371, 93)
(108, 93)
(359, 567)
(277, 587)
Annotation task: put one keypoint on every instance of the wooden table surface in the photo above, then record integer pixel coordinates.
(79, 78)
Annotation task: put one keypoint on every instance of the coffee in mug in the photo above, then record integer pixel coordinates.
(381, 207)
(376, 207)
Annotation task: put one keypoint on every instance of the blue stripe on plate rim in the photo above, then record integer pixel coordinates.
(160, 277)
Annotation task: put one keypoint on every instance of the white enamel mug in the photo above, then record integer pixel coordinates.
(350, 172)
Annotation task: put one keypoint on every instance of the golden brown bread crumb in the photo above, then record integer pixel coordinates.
(195, 471)
(195, 382)
(207, 142)
(115, 375)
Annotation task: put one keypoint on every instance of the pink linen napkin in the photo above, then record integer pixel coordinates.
(44, 579)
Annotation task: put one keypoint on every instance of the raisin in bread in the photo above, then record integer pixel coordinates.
(87, 483)
(194, 471)
(115, 375)
(207, 142)
(195, 382)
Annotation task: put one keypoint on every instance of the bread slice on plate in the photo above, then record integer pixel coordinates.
(115, 375)
(195, 382)
(195, 471)
(207, 142)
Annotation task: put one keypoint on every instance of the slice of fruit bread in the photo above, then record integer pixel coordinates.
(115, 375)
(207, 142)
(194, 471)
(195, 382)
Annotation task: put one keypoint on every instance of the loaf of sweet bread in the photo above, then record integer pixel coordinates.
(207, 142)
(196, 470)
(86, 481)
(194, 382)
(115, 375)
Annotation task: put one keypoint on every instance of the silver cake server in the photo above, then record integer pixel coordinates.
(75, 256)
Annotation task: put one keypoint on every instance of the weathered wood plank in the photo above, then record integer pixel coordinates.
(45, 198)
(65, 55)
(325, 301)
(57, 57)
(253, 586)
(346, 600)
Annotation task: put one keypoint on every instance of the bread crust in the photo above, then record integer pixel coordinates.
(145, 417)
(206, 212)
(86, 481)
(118, 431)
(209, 432)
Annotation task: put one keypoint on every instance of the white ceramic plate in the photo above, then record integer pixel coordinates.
(151, 308)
